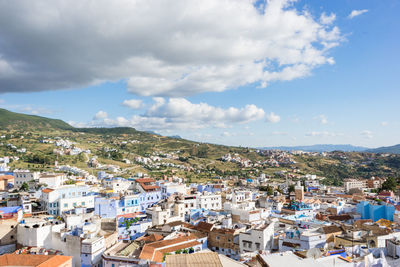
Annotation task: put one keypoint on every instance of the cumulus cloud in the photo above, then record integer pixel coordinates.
(327, 19)
(323, 134)
(133, 103)
(273, 118)
(170, 48)
(100, 115)
(356, 13)
(179, 113)
(322, 119)
(367, 134)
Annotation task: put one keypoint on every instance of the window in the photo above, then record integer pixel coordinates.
(74, 204)
(83, 203)
(65, 205)
(217, 237)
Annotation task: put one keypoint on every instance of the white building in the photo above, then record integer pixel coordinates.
(52, 180)
(167, 213)
(66, 198)
(355, 183)
(260, 238)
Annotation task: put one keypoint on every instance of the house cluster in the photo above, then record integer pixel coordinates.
(145, 221)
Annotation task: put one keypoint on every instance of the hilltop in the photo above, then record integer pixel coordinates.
(17, 121)
(386, 149)
(320, 148)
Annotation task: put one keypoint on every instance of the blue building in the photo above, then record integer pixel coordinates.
(105, 207)
(130, 228)
(375, 212)
(212, 188)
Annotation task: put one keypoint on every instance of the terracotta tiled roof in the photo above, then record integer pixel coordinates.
(47, 190)
(6, 177)
(152, 251)
(195, 259)
(203, 226)
(33, 260)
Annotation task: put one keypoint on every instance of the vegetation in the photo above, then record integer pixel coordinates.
(389, 185)
(197, 162)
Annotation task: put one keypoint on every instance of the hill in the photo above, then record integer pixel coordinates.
(17, 121)
(386, 149)
(319, 148)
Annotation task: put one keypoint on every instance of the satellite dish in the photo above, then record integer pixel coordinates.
(314, 253)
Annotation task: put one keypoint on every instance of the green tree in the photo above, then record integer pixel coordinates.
(291, 188)
(24, 187)
(389, 185)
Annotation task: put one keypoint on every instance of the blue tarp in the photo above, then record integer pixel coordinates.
(10, 209)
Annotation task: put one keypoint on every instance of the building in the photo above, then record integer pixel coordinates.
(205, 259)
(151, 193)
(117, 185)
(375, 182)
(9, 218)
(259, 238)
(52, 180)
(355, 183)
(33, 260)
(169, 188)
(123, 253)
(225, 241)
(296, 239)
(375, 212)
(299, 192)
(25, 176)
(167, 212)
(6, 182)
(155, 251)
(66, 198)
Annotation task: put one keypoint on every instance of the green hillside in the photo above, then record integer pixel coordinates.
(124, 146)
(386, 149)
(11, 120)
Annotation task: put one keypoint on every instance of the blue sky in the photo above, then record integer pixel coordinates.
(351, 101)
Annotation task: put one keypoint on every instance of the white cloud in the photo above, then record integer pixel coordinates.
(367, 134)
(323, 134)
(133, 103)
(35, 110)
(327, 19)
(273, 118)
(2, 101)
(384, 123)
(169, 48)
(179, 113)
(322, 119)
(279, 133)
(356, 13)
(100, 115)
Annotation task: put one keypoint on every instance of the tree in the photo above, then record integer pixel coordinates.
(24, 187)
(389, 185)
(291, 188)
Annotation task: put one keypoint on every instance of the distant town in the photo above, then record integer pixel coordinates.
(101, 215)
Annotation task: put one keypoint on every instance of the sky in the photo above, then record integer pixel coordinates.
(234, 72)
